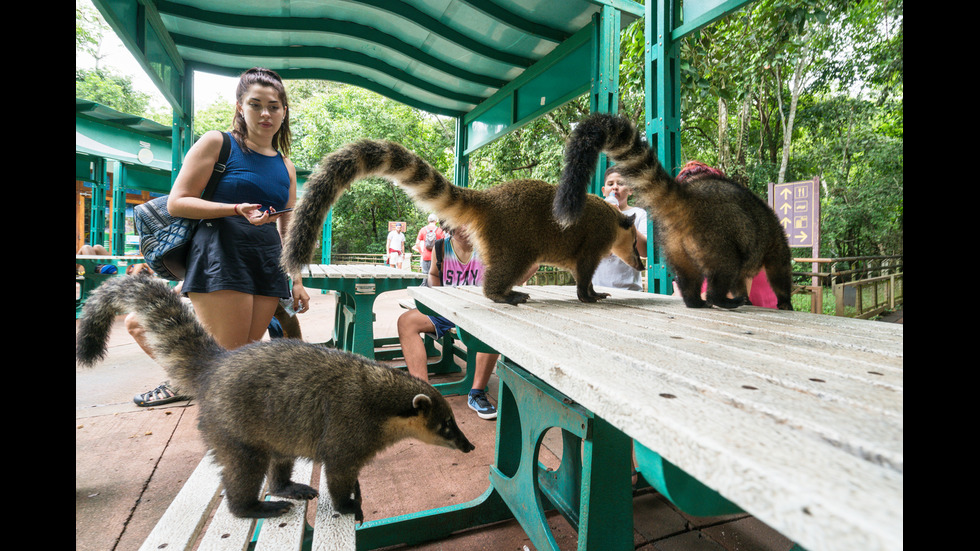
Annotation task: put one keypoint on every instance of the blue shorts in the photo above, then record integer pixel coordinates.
(442, 325)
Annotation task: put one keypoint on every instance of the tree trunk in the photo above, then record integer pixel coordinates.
(724, 158)
(796, 87)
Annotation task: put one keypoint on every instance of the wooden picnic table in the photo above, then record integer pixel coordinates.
(357, 285)
(796, 418)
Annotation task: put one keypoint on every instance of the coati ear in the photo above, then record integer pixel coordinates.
(627, 222)
(422, 403)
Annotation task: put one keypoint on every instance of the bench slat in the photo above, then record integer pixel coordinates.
(332, 531)
(286, 531)
(183, 520)
(226, 531)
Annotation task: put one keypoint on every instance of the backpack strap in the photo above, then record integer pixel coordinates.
(219, 167)
(439, 247)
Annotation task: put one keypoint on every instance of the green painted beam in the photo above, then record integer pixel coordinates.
(325, 52)
(138, 26)
(559, 77)
(701, 13)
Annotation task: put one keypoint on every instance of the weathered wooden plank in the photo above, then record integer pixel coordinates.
(332, 531)
(182, 522)
(286, 531)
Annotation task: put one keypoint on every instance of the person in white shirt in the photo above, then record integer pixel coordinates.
(613, 272)
(396, 246)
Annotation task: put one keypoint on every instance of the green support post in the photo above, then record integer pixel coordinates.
(604, 97)
(118, 238)
(96, 226)
(182, 131)
(461, 168)
(326, 238)
(662, 115)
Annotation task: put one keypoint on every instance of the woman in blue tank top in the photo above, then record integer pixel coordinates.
(233, 274)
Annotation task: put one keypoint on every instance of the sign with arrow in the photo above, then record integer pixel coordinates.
(797, 205)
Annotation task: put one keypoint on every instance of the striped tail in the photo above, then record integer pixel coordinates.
(616, 136)
(179, 342)
(353, 162)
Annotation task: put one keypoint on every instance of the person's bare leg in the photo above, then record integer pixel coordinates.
(484, 368)
(234, 318)
(410, 324)
(138, 333)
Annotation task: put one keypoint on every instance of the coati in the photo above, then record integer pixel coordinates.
(708, 227)
(510, 224)
(266, 403)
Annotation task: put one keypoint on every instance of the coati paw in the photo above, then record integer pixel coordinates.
(262, 509)
(514, 298)
(295, 490)
(592, 297)
(727, 303)
(351, 507)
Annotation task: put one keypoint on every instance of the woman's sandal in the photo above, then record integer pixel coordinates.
(160, 395)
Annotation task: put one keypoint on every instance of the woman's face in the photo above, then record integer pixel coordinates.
(263, 111)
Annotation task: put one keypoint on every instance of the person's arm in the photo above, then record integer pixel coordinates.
(284, 218)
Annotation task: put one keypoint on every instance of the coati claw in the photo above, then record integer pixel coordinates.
(262, 509)
(296, 490)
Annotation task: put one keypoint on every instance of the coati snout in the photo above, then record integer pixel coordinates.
(266, 403)
(624, 246)
(436, 424)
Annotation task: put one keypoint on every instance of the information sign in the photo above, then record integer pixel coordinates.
(797, 205)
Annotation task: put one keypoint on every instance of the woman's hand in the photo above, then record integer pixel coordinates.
(254, 213)
(301, 299)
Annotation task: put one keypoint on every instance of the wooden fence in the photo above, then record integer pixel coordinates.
(863, 286)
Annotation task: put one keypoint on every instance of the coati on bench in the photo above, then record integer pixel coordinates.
(266, 403)
(491, 215)
(708, 227)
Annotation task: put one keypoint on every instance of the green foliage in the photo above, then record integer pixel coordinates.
(110, 90)
(736, 89)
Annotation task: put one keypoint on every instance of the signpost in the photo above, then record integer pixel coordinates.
(797, 205)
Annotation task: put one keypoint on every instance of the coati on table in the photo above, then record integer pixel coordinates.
(708, 227)
(266, 403)
(510, 224)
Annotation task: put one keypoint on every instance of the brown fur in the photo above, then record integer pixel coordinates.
(510, 224)
(708, 227)
(266, 403)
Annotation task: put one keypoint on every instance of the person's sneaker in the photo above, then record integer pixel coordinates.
(479, 403)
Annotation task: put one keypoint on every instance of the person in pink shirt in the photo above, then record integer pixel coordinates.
(457, 263)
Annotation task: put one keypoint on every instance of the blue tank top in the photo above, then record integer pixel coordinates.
(253, 178)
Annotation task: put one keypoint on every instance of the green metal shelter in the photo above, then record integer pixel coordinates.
(493, 65)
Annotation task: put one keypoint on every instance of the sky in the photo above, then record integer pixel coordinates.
(207, 87)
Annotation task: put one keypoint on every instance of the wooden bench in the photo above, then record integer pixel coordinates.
(199, 513)
(795, 418)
